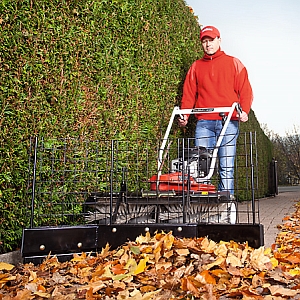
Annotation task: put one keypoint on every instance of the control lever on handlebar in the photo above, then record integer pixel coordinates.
(224, 117)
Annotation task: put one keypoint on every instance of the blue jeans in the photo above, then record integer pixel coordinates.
(206, 135)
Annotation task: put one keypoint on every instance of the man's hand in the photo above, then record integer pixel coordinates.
(243, 116)
(183, 121)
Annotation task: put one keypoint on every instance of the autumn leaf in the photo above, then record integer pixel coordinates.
(131, 265)
(206, 277)
(293, 258)
(23, 295)
(277, 290)
(258, 259)
(166, 267)
(42, 295)
(233, 260)
(5, 278)
(107, 272)
(77, 257)
(118, 269)
(234, 271)
(143, 239)
(105, 251)
(168, 241)
(168, 254)
(141, 266)
(6, 266)
(182, 252)
(188, 285)
(274, 262)
(294, 272)
(217, 262)
(221, 250)
(93, 287)
(135, 250)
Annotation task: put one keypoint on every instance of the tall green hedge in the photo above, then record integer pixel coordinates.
(109, 69)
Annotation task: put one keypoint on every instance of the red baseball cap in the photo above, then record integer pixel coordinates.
(209, 31)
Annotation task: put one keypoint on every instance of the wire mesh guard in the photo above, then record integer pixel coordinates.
(74, 182)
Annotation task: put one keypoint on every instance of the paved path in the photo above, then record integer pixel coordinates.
(272, 210)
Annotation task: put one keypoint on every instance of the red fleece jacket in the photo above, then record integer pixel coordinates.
(214, 81)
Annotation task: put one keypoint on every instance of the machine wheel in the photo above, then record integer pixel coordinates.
(228, 212)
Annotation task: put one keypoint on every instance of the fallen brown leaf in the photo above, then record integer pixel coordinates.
(166, 267)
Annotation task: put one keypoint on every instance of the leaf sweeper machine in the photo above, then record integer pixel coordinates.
(185, 193)
(191, 173)
(100, 193)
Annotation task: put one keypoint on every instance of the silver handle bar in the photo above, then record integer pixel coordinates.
(177, 111)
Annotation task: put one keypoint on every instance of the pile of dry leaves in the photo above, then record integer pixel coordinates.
(165, 267)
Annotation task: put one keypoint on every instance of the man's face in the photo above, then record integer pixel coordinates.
(210, 45)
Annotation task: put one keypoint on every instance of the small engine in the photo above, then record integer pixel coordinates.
(196, 161)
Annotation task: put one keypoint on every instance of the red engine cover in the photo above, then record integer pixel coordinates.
(174, 182)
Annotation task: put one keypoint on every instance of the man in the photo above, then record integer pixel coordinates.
(217, 80)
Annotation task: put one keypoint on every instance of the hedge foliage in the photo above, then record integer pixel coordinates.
(109, 69)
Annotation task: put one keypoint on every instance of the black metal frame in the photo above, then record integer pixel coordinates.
(71, 180)
(64, 241)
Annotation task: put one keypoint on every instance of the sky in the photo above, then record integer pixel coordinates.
(265, 36)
